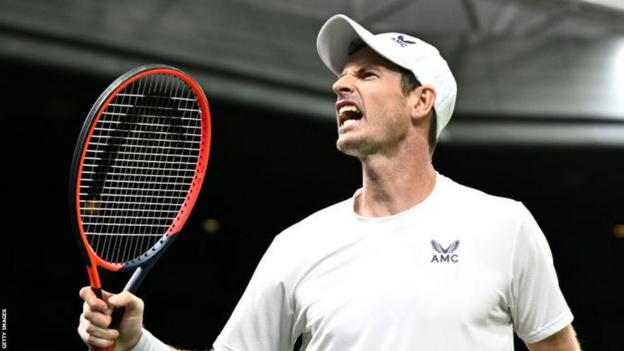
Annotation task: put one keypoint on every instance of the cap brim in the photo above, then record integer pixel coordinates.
(335, 38)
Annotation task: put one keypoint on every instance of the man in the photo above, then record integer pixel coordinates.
(414, 261)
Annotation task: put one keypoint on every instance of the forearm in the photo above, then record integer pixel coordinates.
(148, 342)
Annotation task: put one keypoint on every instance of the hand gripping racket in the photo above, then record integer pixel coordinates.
(137, 169)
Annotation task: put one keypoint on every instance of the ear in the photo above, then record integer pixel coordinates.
(421, 101)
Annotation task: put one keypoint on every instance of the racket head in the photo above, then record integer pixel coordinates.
(138, 166)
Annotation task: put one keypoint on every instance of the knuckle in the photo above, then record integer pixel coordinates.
(125, 295)
(90, 329)
(107, 311)
(82, 323)
(90, 339)
(108, 320)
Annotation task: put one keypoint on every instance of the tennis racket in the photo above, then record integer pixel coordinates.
(137, 169)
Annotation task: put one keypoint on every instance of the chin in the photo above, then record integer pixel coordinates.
(342, 146)
(349, 147)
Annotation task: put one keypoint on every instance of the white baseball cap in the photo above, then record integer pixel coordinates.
(339, 33)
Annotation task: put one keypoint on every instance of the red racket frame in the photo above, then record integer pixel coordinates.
(92, 260)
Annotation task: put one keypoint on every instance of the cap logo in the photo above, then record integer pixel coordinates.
(402, 41)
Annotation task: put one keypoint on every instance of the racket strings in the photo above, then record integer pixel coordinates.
(139, 166)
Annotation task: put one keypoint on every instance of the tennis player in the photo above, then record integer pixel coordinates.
(413, 261)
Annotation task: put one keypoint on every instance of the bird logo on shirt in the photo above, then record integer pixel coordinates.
(436, 246)
(445, 254)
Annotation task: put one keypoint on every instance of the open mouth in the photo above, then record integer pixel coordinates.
(349, 114)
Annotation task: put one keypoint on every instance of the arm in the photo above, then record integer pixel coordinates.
(246, 329)
(540, 313)
(563, 340)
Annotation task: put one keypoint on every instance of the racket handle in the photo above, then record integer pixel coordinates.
(98, 293)
(133, 283)
(116, 317)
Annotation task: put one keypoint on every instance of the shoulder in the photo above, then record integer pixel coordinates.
(321, 224)
(473, 200)
(471, 210)
(308, 241)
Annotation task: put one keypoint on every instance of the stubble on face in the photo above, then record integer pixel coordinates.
(375, 83)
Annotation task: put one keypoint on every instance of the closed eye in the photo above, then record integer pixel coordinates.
(368, 74)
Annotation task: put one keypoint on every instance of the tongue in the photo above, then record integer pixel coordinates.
(352, 115)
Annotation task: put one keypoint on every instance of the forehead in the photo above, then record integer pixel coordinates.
(366, 56)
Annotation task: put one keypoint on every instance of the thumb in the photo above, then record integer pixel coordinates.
(130, 322)
(132, 303)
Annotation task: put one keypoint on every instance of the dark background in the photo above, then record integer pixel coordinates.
(267, 171)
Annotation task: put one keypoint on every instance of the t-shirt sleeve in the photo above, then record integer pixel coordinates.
(539, 308)
(263, 318)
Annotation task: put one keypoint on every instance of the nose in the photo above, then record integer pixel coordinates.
(343, 86)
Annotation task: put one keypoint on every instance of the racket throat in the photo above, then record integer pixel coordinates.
(94, 278)
(137, 277)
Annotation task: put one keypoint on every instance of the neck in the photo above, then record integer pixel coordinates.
(394, 184)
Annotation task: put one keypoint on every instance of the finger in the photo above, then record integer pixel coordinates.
(97, 318)
(86, 328)
(108, 334)
(133, 304)
(106, 295)
(98, 342)
(92, 300)
(108, 310)
(96, 336)
(82, 328)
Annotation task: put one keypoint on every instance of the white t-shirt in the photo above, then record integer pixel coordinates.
(460, 271)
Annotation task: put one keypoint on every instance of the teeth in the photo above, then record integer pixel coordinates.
(350, 121)
(348, 108)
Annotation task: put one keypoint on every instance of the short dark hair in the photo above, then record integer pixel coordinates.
(409, 82)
